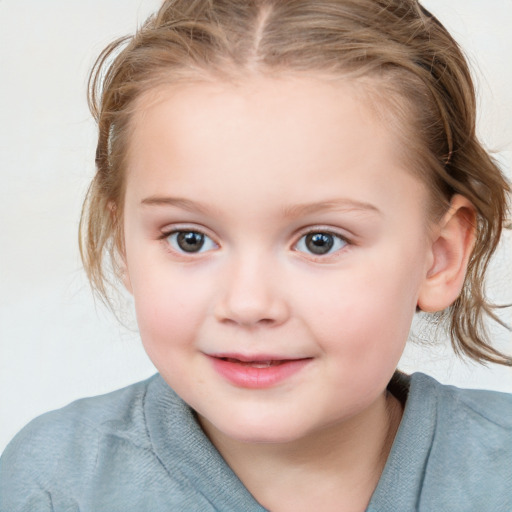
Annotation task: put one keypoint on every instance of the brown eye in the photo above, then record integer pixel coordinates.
(320, 243)
(190, 242)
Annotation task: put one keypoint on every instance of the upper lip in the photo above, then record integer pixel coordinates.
(255, 358)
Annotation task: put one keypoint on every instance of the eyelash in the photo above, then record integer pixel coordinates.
(173, 234)
(335, 242)
(331, 238)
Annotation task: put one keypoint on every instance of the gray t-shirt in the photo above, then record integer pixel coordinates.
(141, 449)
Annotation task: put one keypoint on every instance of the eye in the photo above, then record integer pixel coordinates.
(190, 242)
(320, 243)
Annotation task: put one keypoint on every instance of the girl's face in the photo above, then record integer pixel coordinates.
(275, 248)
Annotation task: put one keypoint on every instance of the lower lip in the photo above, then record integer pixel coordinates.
(246, 376)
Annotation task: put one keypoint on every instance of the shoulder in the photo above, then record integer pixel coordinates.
(469, 462)
(452, 451)
(490, 409)
(139, 448)
(60, 448)
(118, 412)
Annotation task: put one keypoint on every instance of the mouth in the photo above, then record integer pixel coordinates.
(258, 363)
(259, 371)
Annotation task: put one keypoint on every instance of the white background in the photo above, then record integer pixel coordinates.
(56, 344)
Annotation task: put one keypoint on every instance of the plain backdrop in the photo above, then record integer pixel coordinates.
(56, 343)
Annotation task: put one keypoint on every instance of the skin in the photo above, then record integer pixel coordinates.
(255, 167)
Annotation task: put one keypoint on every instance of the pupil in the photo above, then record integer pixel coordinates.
(319, 243)
(190, 241)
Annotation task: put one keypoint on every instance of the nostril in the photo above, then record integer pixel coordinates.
(250, 301)
(247, 322)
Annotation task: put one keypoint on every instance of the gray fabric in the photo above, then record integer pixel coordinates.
(452, 452)
(140, 449)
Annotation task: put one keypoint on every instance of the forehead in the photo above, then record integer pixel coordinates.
(287, 137)
(291, 107)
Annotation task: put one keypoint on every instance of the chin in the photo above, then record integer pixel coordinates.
(264, 437)
(269, 432)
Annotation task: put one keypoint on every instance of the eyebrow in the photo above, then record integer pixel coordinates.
(338, 204)
(179, 202)
(291, 211)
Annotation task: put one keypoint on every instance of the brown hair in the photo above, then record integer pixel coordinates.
(418, 73)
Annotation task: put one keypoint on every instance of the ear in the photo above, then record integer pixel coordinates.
(453, 242)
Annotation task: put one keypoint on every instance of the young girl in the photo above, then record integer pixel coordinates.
(281, 185)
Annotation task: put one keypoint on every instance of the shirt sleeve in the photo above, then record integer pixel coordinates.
(19, 489)
(34, 469)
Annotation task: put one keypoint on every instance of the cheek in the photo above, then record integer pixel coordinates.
(168, 319)
(366, 312)
(168, 307)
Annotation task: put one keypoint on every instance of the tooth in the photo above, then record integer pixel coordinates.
(262, 364)
(254, 364)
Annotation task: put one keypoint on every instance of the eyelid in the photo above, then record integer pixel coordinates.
(320, 228)
(326, 230)
(169, 230)
(173, 228)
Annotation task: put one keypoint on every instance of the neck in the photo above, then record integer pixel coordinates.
(340, 464)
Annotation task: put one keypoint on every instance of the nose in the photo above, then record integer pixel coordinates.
(252, 295)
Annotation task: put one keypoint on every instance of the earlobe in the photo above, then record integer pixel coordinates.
(450, 250)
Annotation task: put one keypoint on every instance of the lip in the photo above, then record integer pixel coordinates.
(256, 372)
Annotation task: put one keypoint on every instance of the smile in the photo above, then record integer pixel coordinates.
(257, 364)
(256, 373)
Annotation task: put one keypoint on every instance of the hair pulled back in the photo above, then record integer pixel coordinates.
(416, 68)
